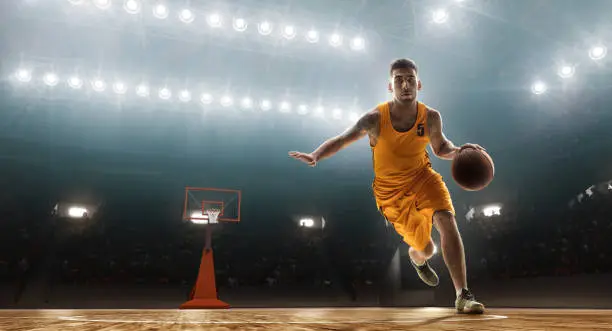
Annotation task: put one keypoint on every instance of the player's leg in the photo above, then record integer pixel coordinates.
(419, 260)
(452, 247)
(417, 234)
(420, 257)
(454, 257)
(416, 231)
(435, 203)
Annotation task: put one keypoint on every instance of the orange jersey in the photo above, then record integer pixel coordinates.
(399, 157)
(407, 190)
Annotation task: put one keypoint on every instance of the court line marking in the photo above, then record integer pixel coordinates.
(399, 321)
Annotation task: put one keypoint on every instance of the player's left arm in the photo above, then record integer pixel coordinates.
(440, 144)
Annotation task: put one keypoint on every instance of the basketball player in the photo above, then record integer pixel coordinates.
(408, 192)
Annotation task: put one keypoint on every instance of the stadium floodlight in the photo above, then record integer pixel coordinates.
(76, 2)
(490, 211)
(240, 24)
(185, 96)
(302, 109)
(353, 117)
(23, 75)
(102, 4)
(160, 11)
(566, 71)
(186, 16)
(165, 93)
(319, 111)
(50, 79)
(77, 212)
(266, 105)
(357, 44)
(247, 103)
(214, 20)
(538, 88)
(143, 90)
(264, 28)
(337, 113)
(312, 36)
(307, 222)
(206, 99)
(289, 32)
(98, 85)
(75, 82)
(119, 87)
(440, 16)
(335, 40)
(598, 52)
(226, 101)
(285, 107)
(132, 6)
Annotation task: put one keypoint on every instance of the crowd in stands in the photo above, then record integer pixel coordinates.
(501, 246)
(575, 241)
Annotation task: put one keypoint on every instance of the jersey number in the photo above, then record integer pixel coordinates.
(420, 130)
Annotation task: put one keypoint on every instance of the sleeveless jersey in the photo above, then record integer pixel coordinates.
(400, 157)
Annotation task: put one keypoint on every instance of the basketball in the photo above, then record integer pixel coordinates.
(473, 169)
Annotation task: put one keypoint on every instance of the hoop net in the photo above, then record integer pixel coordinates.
(213, 215)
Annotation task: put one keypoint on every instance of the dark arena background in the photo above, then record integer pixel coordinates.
(118, 116)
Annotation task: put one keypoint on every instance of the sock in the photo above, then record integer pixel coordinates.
(420, 264)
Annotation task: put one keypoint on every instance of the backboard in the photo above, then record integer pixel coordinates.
(201, 201)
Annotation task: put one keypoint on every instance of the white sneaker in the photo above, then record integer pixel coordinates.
(467, 304)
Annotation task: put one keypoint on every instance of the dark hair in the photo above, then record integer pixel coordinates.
(403, 64)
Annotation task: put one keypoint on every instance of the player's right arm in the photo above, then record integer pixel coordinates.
(366, 125)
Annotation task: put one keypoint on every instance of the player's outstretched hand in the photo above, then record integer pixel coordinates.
(474, 146)
(304, 157)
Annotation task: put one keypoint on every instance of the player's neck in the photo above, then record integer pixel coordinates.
(404, 108)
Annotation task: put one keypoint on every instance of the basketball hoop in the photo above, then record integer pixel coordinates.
(213, 215)
(209, 207)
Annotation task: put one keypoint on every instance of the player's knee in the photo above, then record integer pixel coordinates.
(444, 221)
(425, 249)
(429, 249)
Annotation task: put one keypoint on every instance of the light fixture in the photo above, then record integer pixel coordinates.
(206, 99)
(538, 88)
(439, 16)
(186, 16)
(23, 75)
(289, 32)
(98, 85)
(102, 4)
(160, 11)
(51, 79)
(335, 40)
(132, 6)
(264, 28)
(165, 93)
(240, 24)
(312, 36)
(75, 82)
(598, 52)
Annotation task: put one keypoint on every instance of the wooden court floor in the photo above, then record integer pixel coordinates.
(349, 319)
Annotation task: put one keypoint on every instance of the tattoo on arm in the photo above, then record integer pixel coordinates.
(367, 124)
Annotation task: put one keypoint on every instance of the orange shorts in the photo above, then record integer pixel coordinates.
(410, 208)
